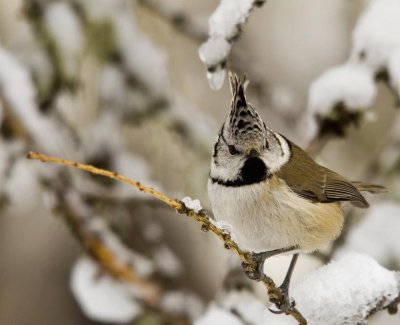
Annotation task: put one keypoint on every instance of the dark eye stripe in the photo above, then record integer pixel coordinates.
(215, 149)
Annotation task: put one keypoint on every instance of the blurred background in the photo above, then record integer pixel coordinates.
(119, 84)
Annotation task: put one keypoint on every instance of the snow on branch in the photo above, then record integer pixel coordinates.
(106, 248)
(225, 26)
(18, 93)
(117, 284)
(347, 291)
(340, 97)
(103, 299)
(200, 216)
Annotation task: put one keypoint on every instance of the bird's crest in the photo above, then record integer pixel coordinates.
(244, 122)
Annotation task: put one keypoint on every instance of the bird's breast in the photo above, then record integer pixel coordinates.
(268, 215)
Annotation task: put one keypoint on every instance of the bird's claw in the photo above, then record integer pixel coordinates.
(277, 312)
(252, 272)
(286, 305)
(255, 271)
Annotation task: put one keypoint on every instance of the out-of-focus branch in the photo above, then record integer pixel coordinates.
(200, 216)
(94, 237)
(117, 260)
(34, 12)
(181, 21)
(12, 126)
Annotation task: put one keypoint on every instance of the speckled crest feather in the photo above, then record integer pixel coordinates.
(244, 124)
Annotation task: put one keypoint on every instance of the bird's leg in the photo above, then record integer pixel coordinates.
(257, 272)
(287, 304)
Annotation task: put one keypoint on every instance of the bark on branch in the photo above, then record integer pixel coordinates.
(206, 224)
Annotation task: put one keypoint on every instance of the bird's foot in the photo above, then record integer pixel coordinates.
(256, 270)
(286, 304)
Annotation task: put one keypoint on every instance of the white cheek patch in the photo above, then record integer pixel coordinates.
(227, 169)
(276, 161)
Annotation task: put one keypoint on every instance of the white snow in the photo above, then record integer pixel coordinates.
(375, 46)
(225, 227)
(143, 266)
(218, 315)
(19, 93)
(112, 87)
(214, 51)
(100, 297)
(307, 127)
(182, 303)
(142, 56)
(193, 204)
(352, 84)
(167, 262)
(377, 33)
(224, 25)
(22, 181)
(345, 291)
(228, 15)
(245, 303)
(200, 124)
(378, 233)
(65, 29)
(241, 307)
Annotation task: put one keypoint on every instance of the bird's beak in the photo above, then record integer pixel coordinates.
(253, 153)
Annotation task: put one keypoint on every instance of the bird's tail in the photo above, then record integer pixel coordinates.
(371, 188)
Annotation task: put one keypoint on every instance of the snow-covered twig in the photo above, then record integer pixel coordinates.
(35, 12)
(18, 94)
(225, 26)
(347, 291)
(106, 248)
(200, 216)
(129, 277)
(340, 97)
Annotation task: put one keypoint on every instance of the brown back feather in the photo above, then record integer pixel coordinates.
(319, 184)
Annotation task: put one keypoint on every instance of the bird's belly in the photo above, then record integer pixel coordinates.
(269, 216)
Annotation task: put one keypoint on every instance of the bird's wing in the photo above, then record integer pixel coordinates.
(316, 183)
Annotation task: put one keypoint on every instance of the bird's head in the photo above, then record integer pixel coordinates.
(246, 150)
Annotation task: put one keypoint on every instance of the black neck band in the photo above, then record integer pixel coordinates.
(253, 171)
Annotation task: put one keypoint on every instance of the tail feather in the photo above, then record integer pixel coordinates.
(371, 188)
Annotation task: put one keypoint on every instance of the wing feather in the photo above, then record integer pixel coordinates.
(316, 183)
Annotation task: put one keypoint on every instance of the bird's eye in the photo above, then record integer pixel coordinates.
(232, 150)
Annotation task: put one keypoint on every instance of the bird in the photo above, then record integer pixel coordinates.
(277, 199)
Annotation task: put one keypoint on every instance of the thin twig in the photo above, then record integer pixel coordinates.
(201, 217)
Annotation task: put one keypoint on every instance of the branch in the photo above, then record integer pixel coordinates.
(180, 20)
(102, 245)
(392, 307)
(200, 216)
(34, 12)
(225, 26)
